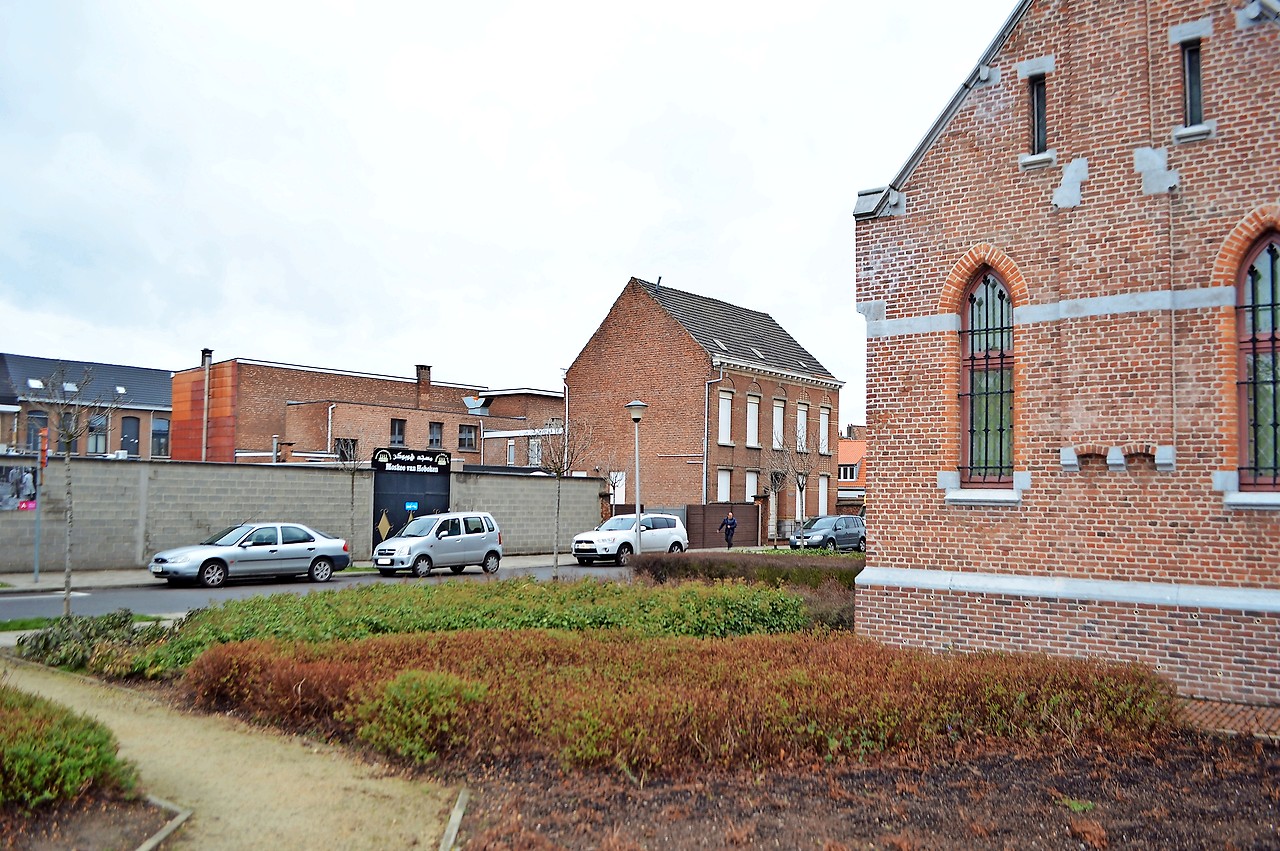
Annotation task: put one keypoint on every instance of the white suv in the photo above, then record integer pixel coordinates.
(453, 540)
(615, 539)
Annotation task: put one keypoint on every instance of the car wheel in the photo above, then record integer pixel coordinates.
(862, 545)
(382, 571)
(675, 547)
(830, 545)
(584, 561)
(213, 574)
(422, 567)
(458, 568)
(490, 563)
(321, 570)
(623, 558)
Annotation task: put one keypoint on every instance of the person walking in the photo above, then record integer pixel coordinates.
(728, 525)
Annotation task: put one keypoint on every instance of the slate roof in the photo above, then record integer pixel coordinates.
(144, 388)
(729, 332)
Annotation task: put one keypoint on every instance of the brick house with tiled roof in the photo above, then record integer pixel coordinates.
(728, 391)
(1072, 305)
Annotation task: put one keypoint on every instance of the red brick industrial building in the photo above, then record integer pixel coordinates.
(260, 411)
(1071, 295)
(736, 406)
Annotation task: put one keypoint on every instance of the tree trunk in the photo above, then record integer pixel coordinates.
(555, 536)
(66, 578)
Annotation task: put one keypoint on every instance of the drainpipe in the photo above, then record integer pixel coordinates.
(706, 427)
(206, 359)
(328, 447)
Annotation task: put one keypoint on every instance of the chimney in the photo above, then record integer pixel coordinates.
(206, 357)
(424, 385)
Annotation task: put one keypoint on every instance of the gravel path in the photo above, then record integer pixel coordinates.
(249, 788)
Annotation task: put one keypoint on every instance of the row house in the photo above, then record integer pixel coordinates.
(738, 411)
(127, 409)
(1072, 309)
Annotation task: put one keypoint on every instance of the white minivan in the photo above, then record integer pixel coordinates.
(453, 540)
(614, 539)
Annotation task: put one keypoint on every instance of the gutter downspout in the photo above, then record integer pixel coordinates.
(328, 447)
(706, 426)
(206, 358)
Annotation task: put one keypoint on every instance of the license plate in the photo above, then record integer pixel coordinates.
(382, 561)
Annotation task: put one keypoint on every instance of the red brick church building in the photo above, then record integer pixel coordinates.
(1071, 297)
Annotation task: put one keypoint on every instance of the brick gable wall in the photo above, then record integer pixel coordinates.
(1101, 361)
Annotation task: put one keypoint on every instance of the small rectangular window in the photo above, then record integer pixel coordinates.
(345, 448)
(511, 452)
(725, 432)
(97, 442)
(1039, 116)
(435, 436)
(824, 426)
(802, 427)
(779, 425)
(753, 421)
(1192, 106)
(753, 484)
(397, 432)
(535, 452)
(159, 437)
(467, 437)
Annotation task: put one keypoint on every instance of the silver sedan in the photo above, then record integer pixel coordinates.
(254, 549)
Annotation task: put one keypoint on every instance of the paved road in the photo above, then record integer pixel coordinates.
(102, 592)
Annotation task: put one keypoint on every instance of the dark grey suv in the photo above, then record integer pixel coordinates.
(832, 532)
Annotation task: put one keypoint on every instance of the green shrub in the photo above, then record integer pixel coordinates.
(776, 568)
(70, 642)
(50, 754)
(362, 612)
(418, 714)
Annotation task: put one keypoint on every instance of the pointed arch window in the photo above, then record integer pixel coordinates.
(986, 385)
(1258, 359)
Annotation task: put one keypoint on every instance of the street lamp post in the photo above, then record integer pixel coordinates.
(637, 409)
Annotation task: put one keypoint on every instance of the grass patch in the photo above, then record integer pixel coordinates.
(28, 624)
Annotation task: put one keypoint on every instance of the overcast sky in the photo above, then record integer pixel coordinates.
(373, 185)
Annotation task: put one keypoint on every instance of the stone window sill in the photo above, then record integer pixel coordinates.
(984, 496)
(1031, 162)
(1266, 500)
(1195, 133)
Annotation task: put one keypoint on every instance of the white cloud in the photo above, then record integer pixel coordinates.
(370, 186)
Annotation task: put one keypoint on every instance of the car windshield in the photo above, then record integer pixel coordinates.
(619, 523)
(227, 536)
(818, 522)
(417, 527)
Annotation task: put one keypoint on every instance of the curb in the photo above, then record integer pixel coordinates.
(179, 818)
(455, 821)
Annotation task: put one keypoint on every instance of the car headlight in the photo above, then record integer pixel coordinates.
(179, 559)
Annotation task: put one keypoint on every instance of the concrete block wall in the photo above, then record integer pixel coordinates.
(525, 507)
(123, 511)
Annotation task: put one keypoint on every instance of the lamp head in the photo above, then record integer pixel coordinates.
(637, 408)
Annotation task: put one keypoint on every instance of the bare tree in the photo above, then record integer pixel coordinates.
(74, 412)
(788, 463)
(565, 448)
(353, 462)
(612, 469)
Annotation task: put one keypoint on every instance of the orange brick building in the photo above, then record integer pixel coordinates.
(259, 411)
(736, 406)
(1071, 299)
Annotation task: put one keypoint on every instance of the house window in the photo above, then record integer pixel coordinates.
(345, 448)
(397, 432)
(753, 484)
(36, 421)
(435, 436)
(66, 434)
(535, 452)
(96, 442)
(726, 418)
(753, 421)
(1039, 119)
(467, 437)
(986, 392)
(802, 427)
(1258, 334)
(724, 485)
(1193, 109)
(824, 484)
(511, 452)
(824, 426)
(159, 437)
(779, 424)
